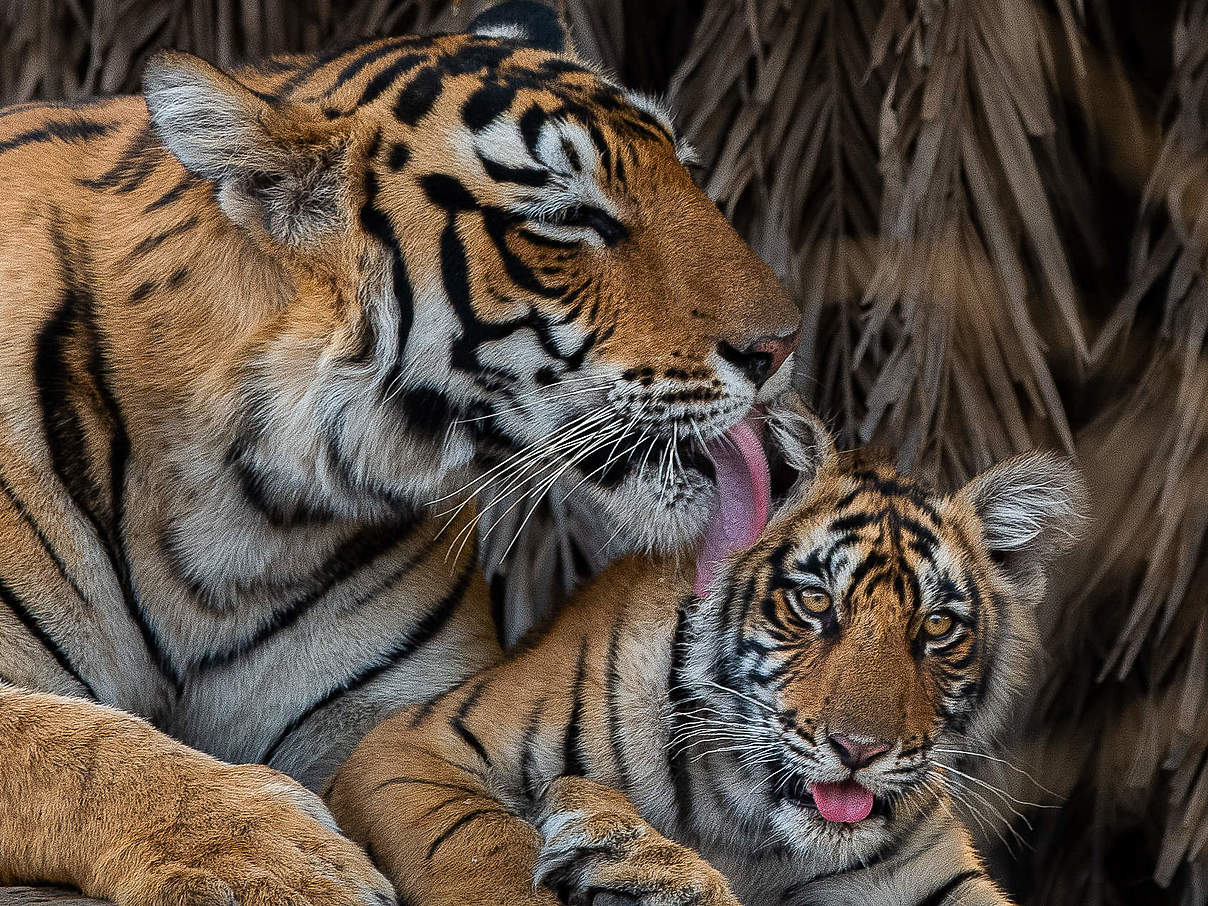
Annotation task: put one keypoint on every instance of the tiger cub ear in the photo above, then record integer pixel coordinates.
(279, 170)
(1030, 508)
(527, 21)
(798, 445)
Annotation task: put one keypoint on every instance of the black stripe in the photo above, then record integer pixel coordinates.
(27, 517)
(358, 64)
(270, 494)
(147, 287)
(30, 622)
(496, 223)
(852, 523)
(874, 560)
(458, 722)
(603, 149)
(530, 124)
(421, 781)
(522, 176)
(488, 102)
(448, 192)
(458, 824)
(528, 751)
(133, 167)
(416, 100)
(74, 323)
(375, 222)
(355, 554)
(153, 242)
(942, 892)
(498, 596)
(382, 82)
(186, 182)
(573, 762)
(419, 635)
(14, 109)
(612, 682)
(321, 59)
(68, 131)
(679, 698)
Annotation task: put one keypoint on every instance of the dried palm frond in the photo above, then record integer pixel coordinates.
(1124, 712)
(1139, 605)
(781, 102)
(972, 290)
(67, 49)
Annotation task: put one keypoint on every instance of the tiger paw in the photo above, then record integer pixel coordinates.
(243, 836)
(608, 857)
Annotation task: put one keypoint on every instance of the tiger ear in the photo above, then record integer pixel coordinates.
(1030, 508)
(799, 445)
(276, 169)
(527, 21)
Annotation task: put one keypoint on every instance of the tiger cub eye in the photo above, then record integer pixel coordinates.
(815, 601)
(937, 625)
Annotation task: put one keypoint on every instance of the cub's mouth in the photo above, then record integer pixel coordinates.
(846, 802)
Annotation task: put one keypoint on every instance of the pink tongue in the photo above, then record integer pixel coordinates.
(843, 803)
(744, 496)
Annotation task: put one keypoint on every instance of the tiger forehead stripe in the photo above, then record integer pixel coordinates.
(504, 68)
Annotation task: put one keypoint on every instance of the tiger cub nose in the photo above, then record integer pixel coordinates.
(856, 753)
(760, 359)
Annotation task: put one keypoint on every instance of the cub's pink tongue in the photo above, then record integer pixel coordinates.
(843, 803)
(743, 499)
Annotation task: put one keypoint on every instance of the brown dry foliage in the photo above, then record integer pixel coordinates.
(928, 177)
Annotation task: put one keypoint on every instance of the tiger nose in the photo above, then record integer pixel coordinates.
(857, 753)
(759, 360)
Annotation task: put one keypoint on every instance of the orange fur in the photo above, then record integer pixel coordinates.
(644, 713)
(255, 322)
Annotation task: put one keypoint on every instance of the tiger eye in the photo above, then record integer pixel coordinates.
(815, 602)
(937, 625)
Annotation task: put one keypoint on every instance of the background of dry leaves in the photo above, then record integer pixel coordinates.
(994, 213)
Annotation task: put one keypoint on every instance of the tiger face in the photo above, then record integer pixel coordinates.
(875, 632)
(511, 266)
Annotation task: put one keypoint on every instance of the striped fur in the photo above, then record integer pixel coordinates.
(648, 731)
(254, 323)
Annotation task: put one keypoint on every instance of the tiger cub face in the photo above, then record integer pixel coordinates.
(875, 630)
(526, 274)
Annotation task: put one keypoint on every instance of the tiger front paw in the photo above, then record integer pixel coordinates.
(607, 857)
(243, 836)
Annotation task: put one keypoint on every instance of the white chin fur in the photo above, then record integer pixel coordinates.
(817, 837)
(779, 382)
(653, 521)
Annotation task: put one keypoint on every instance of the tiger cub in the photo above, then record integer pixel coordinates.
(788, 724)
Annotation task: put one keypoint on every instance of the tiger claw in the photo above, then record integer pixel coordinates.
(616, 860)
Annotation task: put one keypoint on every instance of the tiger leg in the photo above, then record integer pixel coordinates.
(433, 828)
(94, 797)
(594, 841)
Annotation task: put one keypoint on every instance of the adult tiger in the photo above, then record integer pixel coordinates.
(797, 723)
(252, 324)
